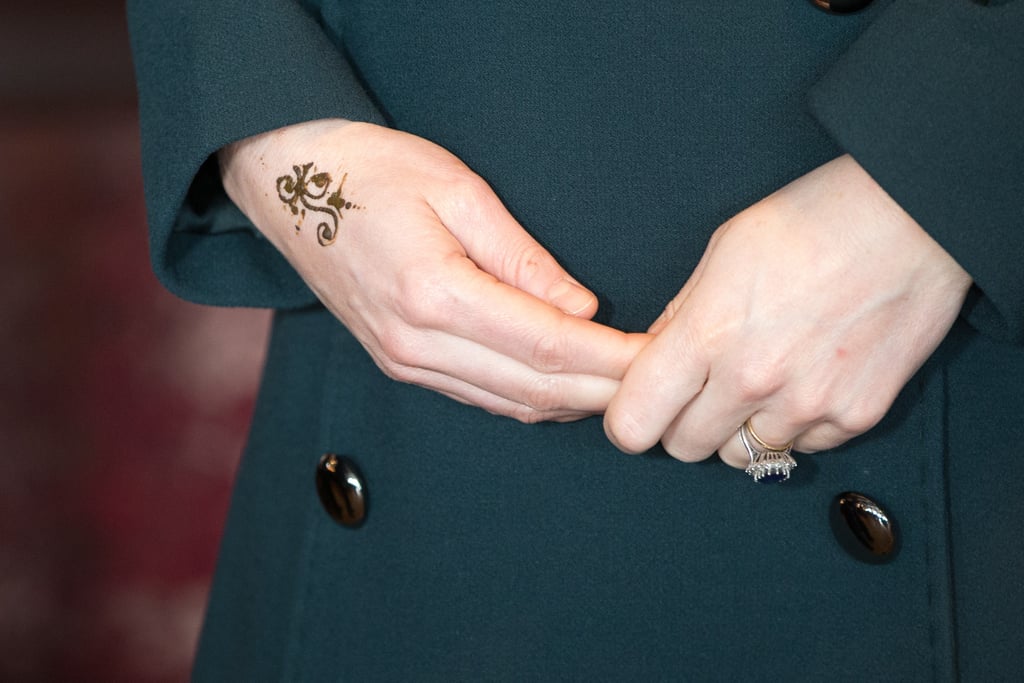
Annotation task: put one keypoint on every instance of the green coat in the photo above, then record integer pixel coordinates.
(621, 135)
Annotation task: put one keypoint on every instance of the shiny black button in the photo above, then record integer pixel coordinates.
(841, 6)
(864, 528)
(341, 489)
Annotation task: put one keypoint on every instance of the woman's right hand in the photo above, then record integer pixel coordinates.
(420, 260)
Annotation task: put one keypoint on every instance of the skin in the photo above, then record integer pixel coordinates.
(808, 312)
(431, 273)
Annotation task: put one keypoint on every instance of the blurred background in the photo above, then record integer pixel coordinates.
(123, 411)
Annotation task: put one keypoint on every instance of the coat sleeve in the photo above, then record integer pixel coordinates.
(210, 73)
(930, 101)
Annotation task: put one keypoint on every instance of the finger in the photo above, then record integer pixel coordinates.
(465, 392)
(471, 395)
(518, 325)
(679, 299)
(419, 356)
(664, 378)
(496, 243)
(707, 423)
(770, 428)
(821, 437)
(514, 381)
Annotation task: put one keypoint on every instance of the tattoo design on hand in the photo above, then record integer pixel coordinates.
(299, 192)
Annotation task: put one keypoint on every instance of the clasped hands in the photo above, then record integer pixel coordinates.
(808, 313)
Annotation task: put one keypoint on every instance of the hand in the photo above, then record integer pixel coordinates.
(420, 260)
(807, 314)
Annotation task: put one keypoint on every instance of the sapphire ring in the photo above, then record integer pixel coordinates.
(767, 463)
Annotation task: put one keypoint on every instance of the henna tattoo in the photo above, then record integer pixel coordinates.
(299, 192)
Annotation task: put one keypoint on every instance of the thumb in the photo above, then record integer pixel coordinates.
(498, 245)
(680, 299)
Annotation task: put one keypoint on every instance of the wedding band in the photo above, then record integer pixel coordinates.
(767, 464)
(760, 442)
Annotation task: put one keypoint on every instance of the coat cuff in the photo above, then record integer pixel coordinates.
(930, 101)
(210, 73)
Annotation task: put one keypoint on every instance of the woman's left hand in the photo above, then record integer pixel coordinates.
(808, 314)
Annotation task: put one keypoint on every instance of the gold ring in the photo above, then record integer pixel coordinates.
(761, 442)
(766, 463)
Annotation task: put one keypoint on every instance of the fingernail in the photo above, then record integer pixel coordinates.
(569, 296)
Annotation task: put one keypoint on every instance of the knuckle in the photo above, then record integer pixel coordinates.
(405, 295)
(626, 432)
(758, 380)
(400, 373)
(549, 354)
(861, 416)
(464, 193)
(807, 407)
(400, 351)
(526, 414)
(424, 298)
(544, 394)
(393, 369)
(524, 261)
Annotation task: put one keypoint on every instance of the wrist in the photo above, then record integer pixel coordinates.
(246, 164)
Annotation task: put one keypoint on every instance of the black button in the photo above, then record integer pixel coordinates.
(864, 528)
(841, 6)
(341, 489)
